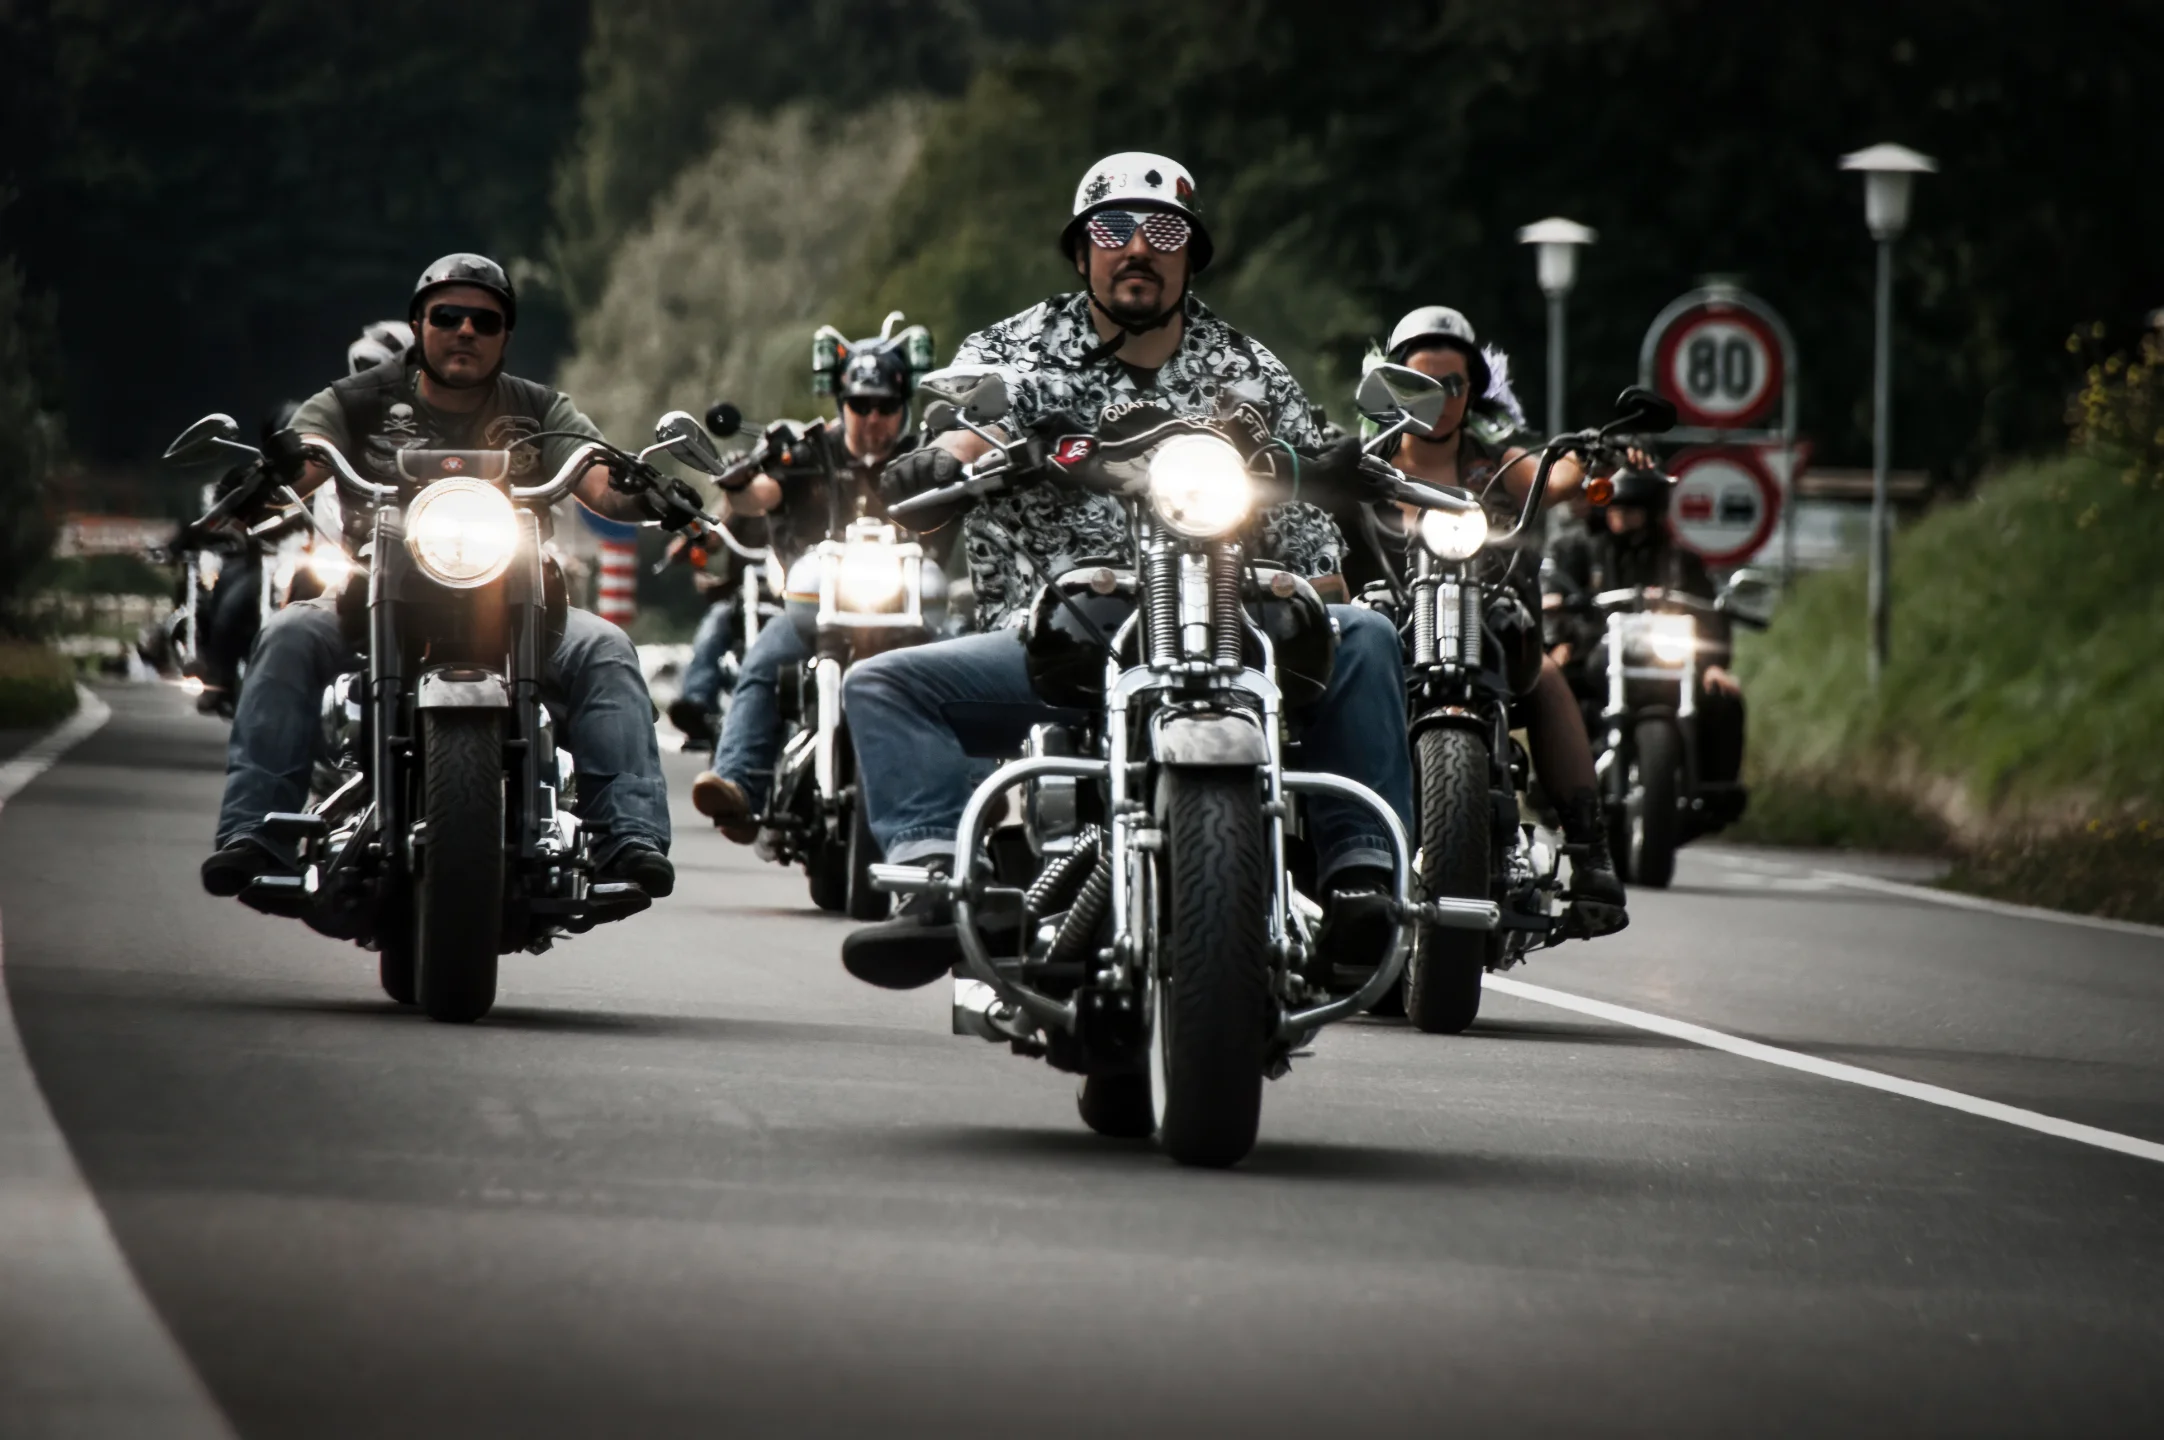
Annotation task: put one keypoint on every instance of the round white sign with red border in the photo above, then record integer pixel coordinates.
(1721, 365)
(1725, 504)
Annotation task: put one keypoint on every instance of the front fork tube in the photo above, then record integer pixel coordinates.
(528, 606)
(827, 676)
(386, 688)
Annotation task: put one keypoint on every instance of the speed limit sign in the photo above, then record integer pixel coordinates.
(1725, 504)
(1721, 364)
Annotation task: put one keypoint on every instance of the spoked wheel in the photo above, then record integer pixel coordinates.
(1457, 829)
(1210, 991)
(1650, 803)
(458, 899)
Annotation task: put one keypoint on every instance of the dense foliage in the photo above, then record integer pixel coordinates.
(218, 193)
(718, 293)
(1353, 165)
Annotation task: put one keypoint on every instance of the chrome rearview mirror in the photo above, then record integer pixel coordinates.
(683, 436)
(977, 394)
(1749, 597)
(214, 437)
(1393, 392)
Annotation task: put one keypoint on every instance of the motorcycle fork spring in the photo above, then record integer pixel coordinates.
(1228, 636)
(1161, 580)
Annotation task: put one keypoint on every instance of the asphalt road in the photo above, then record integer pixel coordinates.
(690, 1179)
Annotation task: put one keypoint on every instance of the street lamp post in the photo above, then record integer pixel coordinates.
(1888, 173)
(1556, 241)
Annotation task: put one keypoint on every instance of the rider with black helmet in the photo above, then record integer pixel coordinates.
(1477, 445)
(1627, 543)
(450, 394)
(872, 392)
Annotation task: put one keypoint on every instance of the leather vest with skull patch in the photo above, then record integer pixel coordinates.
(384, 414)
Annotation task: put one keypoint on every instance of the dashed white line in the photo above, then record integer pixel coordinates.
(1831, 1069)
(82, 1354)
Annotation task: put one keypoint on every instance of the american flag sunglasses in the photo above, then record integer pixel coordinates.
(1164, 231)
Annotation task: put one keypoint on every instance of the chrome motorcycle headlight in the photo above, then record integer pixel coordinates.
(870, 579)
(1199, 486)
(1453, 537)
(462, 532)
(1669, 639)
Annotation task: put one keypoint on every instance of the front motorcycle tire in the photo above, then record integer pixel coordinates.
(863, 902)
(1457, 838)
(458, 898)
(1656, 781)
(1211, 1007)
(826, 875)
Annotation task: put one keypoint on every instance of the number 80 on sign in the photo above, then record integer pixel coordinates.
(1721, 365)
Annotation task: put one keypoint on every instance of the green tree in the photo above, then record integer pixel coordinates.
(718, 294)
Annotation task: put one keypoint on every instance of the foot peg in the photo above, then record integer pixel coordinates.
(908, 880)
(1451, 913)
(286, 896)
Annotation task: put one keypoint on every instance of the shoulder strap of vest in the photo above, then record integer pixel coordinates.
(363, 397)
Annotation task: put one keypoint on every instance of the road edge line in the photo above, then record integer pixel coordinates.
(1832, 1069)
(1960, 901)
(88, 1354)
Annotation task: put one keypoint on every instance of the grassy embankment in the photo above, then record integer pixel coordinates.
(37, 686)
(2020, 728)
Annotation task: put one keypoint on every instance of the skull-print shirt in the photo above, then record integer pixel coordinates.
(1045, 353)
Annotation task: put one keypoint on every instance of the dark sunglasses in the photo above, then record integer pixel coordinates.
(871, 404)
(450, 317)
(1166, 232)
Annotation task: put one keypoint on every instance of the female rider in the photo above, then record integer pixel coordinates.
(1477, 446)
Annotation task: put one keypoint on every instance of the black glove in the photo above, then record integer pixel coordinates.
(1377, 476)
(920, 470)
(671, 502)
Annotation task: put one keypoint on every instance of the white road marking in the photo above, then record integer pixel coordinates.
(1992, 907)
(82, 1353)
(1830, 1069)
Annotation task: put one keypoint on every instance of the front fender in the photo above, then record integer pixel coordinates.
(1209, 740)
(461, 688)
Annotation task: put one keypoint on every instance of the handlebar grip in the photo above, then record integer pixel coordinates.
(1427, 497)
(744, 471)
(927, 501)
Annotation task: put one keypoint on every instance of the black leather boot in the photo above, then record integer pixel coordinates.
(1596, 891)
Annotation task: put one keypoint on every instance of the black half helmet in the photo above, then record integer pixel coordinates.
(875, 368)
(465, 269)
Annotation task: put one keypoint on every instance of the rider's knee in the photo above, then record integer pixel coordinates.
(589, 639)
(1364, 636)
(870, 680)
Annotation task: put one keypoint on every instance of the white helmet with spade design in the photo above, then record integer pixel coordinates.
(1135, 180)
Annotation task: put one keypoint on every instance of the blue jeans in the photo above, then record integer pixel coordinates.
(591, 685)
(702, 676)
(919, 715)
(751, 736)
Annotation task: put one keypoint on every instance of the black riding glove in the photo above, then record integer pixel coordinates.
(920, 470)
